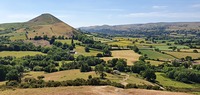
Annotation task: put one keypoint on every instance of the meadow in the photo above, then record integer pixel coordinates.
(73, 74)
(156, 55)
(80, 50)
(184, 54)
(16, 36)
(166, 48)
(130, 55)
(162, 79)
(19, 54)
(156, 63)
(68, 41)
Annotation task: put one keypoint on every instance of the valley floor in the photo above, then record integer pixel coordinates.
(87, 90)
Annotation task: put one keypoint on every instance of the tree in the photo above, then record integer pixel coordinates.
(52, 40)
(99, 55)
(107, 52)
(135, 48)
(72, 41)
(99, 69)
(149, 75)
(195, 51)
(45, 37)
(13, 75)
(120, 65)
(2, 73)
(188, 58)
(85, 68)
(87, 49)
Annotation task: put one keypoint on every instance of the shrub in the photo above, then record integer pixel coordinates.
(131, 86)
(99, 55)
(40, 77)
(24, 85)
(115, 84)
(12, 83)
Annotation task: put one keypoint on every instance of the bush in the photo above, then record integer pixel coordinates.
(38, 68)
(115, 84)
(24, 85)
(94, 81)
(12, 83)
(53, 84)
(40, 77)
(131, 86)
(99, 55)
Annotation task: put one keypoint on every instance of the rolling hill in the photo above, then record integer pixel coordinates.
(45, 24)
(145, 29)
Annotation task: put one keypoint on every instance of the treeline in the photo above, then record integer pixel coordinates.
(40, 83)
(20, 46)
(183, 71)
(83, 63)
(183, 75)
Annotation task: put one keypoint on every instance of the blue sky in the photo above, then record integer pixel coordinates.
(80, 13)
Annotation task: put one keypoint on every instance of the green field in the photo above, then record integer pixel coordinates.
(103, 40)
(162, 79)
(81, 51)
(156, 63)
(156, 55)
(16, 36)
(19, 53)
(68, 41)
(123, 41)
(184, 54)
(165, 47)
(120, 43)
(135, 79)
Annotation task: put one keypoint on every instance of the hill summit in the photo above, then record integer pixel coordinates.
(45, 19)
(46, 24)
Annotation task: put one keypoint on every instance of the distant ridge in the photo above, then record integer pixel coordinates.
(148, 28)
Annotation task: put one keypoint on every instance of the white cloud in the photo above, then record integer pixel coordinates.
(159, 7)
(162, 15)
(196, 6)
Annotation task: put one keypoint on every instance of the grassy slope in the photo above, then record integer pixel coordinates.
(156, 63)
(19, 53)
(73, 74)
(16, 36)
(156, 55)
(165, 47)
(169, 82)
(81, 51)
(184, 54)
(68, 41)
(130, 55)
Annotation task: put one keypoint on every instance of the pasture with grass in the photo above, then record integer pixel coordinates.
(19, 54)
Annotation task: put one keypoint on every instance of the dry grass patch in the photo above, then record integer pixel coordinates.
(87, 90)
(42, 43)
(62, 75)
(130, 55)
